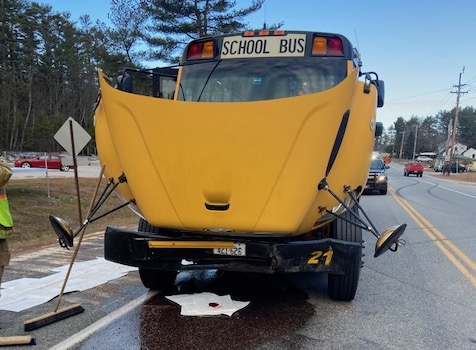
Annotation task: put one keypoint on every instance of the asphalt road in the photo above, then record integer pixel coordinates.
(420, 297)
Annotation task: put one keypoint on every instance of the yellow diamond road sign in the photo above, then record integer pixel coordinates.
(81, 136)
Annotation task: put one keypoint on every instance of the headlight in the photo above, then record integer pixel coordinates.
(381, 178)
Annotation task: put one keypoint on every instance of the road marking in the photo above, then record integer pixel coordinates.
(103, 322)
(448, 189)
(442, 242)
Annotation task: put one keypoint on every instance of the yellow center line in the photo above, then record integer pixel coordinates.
(439, 239)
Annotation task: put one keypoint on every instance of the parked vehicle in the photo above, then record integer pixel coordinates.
(377, 179)
(415, 168)
(461, 168)
(50, 161)
(438, 168)
(424, 159)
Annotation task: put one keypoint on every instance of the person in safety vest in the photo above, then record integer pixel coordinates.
(6, 221)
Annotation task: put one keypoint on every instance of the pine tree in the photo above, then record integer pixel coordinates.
(128, 19)
(176, 22)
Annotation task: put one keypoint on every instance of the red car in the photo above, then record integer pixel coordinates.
(51, 161)
(415, 168)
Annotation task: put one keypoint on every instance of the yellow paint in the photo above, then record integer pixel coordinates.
(441, 241)
(264, 159)
(318, 255)
(190, 244)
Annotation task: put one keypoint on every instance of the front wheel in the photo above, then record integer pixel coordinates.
(25, 165)
(151, 278)
(64, 168)
(343, 287)
(157, 279)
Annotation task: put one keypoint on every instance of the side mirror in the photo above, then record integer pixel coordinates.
(124, 82)
(380, 85)
(378, 129)
(388, 239)
(63, 231)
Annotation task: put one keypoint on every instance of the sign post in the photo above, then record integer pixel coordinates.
(72, 137)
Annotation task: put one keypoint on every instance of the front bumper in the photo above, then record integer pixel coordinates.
(133, 248)
(374, 182)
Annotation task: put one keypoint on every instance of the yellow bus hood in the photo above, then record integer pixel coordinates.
(244, 167)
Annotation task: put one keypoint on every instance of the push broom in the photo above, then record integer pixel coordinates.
(61, 314)
(17, 340)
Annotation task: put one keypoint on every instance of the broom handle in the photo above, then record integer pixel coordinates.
(82, 230)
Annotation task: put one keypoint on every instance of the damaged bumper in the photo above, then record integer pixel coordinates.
(195, 252)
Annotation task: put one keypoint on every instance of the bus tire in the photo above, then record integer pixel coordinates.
(343, 287)
(144, 226)
(152, 278)
(157, 279)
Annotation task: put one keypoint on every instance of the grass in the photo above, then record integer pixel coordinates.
(31, 206)
(467, 176)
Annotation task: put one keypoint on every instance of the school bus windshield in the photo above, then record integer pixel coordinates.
(239, 80)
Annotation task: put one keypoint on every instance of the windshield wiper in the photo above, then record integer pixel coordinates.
(206, 81)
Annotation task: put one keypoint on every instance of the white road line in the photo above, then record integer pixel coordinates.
(103, 322)
(448, 189)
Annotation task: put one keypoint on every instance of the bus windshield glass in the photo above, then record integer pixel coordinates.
(240, 80)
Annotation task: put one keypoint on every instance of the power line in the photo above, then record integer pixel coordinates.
(467, 99)
(471, 80)
(443, 101)
(415, 96)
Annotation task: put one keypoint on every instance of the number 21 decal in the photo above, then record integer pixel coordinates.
(320, 257)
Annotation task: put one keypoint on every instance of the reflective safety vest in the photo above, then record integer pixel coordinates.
(6, 221)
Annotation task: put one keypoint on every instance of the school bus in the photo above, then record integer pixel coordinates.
(250, 155)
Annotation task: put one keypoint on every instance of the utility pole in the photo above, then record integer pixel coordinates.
(448, 140)
(455, 125)
(414, 142)
(401, 145)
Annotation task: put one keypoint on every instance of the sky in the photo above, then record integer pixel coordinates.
(418, 47)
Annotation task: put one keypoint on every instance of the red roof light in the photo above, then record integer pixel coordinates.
(194, 51)
(335, 47)
(324, 45)
(199, 50)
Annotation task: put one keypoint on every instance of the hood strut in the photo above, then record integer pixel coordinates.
(388, 240)
(65, 233)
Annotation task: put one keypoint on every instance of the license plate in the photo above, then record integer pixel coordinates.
(238, 250)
